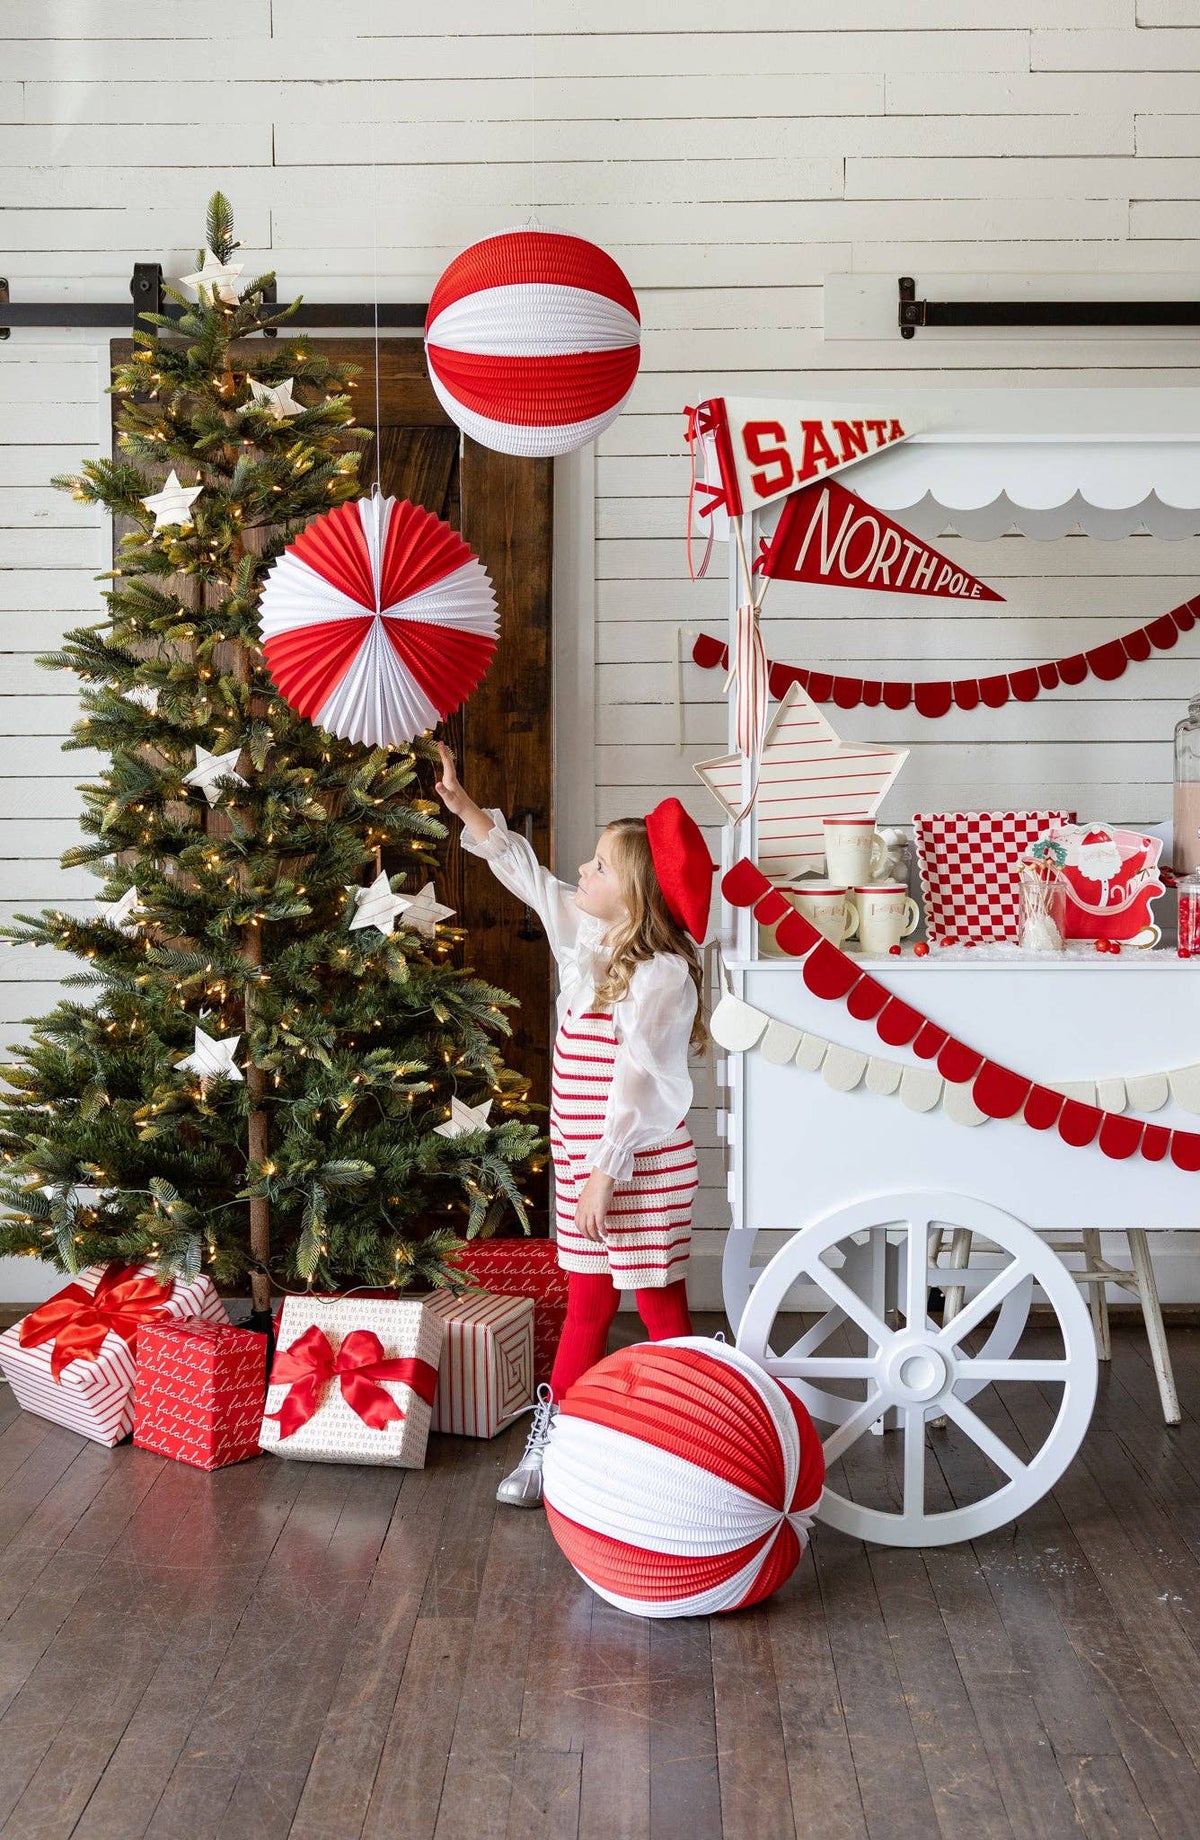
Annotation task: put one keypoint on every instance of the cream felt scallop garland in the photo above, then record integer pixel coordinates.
(738, 1026)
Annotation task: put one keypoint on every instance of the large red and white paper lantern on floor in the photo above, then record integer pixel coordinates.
(532, 340)
(377, 621)
(681, 1479)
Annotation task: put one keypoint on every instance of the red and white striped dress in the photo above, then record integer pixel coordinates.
(648, 1223)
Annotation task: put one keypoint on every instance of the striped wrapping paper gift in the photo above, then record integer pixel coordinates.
(524, 1268)
(95, 1397)
(486, 1374)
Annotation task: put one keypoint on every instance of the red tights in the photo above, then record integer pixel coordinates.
(592, 1300)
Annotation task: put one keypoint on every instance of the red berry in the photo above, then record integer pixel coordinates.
(1114, 945)
(1102, 945)
(920, 950)
(969, 945)
(895, 951)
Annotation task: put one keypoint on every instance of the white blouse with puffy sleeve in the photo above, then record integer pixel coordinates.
(651, 1088)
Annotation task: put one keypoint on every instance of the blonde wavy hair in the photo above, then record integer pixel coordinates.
(650, 928)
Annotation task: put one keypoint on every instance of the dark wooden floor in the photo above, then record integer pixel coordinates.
(327, 1652)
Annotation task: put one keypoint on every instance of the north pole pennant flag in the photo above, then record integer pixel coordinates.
(828, 535)
(754, 450)
(806, 774)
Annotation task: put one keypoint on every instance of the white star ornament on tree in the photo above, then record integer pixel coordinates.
(422, 912)
(808, 773)
(120, 914)
(173, 505)
(277, 398)
(217, 277)
(375, 905)
(464, 1118)
(211, 768)
(212, 1060)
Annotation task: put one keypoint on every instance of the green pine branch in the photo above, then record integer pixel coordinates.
(357, 1041)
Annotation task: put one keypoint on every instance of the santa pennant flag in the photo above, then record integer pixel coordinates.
(751, 451)
(829, 535)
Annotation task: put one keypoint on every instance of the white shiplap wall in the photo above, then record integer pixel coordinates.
(730, 159)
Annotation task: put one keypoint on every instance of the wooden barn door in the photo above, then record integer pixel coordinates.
(502, 739)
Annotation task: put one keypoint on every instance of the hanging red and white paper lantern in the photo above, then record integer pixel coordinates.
(532, 340)
(377, 621)
(681, 1479)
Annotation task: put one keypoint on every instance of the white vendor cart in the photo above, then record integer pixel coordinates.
(917, 1232)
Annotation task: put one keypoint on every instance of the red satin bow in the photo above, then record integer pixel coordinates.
(77, 1320)
(308, 1366)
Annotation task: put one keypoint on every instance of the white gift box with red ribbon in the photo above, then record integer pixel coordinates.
(486, 1374)
(73, 1360)
(353, 1380)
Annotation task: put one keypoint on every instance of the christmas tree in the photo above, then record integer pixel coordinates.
(247, 1083)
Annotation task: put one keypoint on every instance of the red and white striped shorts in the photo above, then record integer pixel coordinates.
(648, 1225)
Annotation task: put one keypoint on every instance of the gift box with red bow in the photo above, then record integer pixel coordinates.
(72, 1359)
(199, 1392)
(486, 1373)
(353, 1380)
(524, 1268)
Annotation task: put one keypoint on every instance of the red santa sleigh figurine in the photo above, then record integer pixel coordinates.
(1112, 878)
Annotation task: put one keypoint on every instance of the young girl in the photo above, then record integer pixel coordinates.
(624, 940)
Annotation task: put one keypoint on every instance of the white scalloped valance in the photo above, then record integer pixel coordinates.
(1108, 463)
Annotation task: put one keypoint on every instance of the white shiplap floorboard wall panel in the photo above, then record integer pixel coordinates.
(730, 164)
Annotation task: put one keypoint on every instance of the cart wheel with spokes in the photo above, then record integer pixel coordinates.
(867, 1263)
(922, 1370)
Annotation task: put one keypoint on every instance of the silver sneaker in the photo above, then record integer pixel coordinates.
(523, 1487)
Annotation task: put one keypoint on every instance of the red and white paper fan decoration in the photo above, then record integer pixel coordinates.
(533, 339)
(681, 1479)
(377, 621)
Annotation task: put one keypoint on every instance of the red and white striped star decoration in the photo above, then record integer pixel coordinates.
(807, 774)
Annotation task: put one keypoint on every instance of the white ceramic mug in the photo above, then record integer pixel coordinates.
(854, 850)
(887, 914)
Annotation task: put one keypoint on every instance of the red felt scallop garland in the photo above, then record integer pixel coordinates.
(999, 1092)
(937, 697)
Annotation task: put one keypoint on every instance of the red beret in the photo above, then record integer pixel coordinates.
(682, 864)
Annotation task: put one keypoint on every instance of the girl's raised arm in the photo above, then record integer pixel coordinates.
(512, 860)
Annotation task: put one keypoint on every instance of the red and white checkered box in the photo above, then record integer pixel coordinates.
(92, 1391)
(486, 1374)
(968, 865)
